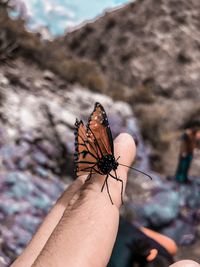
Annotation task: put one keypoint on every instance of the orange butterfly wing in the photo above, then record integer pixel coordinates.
(93, 142)
(85, 155)
(99, 128)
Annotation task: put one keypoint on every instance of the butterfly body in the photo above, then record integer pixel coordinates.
(107, 163)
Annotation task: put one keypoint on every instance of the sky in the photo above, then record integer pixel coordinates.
(61, 15)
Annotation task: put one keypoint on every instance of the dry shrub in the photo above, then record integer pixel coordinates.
(118, 91)
(124, 58)
(151, 120)
(29, 45)
(192, 117)
(96, 81)
(74, 44)
(111, 23)
(122, 40)
(83, 71)
(142, 94)
(50, 55)
(100, 50)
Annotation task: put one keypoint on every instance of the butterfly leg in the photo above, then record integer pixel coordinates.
(122, 184)
(106, 183)
(108, 189)
(89, 176)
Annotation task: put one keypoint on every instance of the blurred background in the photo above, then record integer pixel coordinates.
(139, 59)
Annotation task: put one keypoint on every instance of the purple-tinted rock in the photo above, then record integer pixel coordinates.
(193, 200)
(51, 187)
(183, 233)
(42, 172)
(40, 158)
(28, 136)
(11, 154)
(21, 190)
(11, 206)
(2, 136)
(14, 177)
(43, 203)
(48, 148)
(197, 215)
(9, 165)
(3, 260)
(25, 163)
(21, 235)
(2, 215)
(190, 195)
(28, 222)
(19, 187)
(162, 208)
(187, 215)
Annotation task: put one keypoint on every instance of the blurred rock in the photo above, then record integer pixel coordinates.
(162, 208)
(183, 233)
(25, 200)
(37, 146)
(48, 75)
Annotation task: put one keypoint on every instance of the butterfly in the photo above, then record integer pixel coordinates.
(94, 149)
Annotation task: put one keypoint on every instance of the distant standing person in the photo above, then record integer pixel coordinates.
(187, 146)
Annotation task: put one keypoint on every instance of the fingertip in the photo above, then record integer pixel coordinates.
(124, 138)
(185, 263)
(125, 148)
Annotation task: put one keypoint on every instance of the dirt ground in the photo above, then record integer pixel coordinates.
(191, 252)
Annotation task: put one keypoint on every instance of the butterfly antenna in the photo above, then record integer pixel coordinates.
(137, 170)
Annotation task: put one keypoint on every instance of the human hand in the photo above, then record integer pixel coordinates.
(81, 228)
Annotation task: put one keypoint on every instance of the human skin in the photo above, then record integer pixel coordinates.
(185, 263)
(81, 228)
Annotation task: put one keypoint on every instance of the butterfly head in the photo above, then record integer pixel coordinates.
(107, 163)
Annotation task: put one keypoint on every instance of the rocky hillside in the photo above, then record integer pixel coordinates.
(151, 50)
